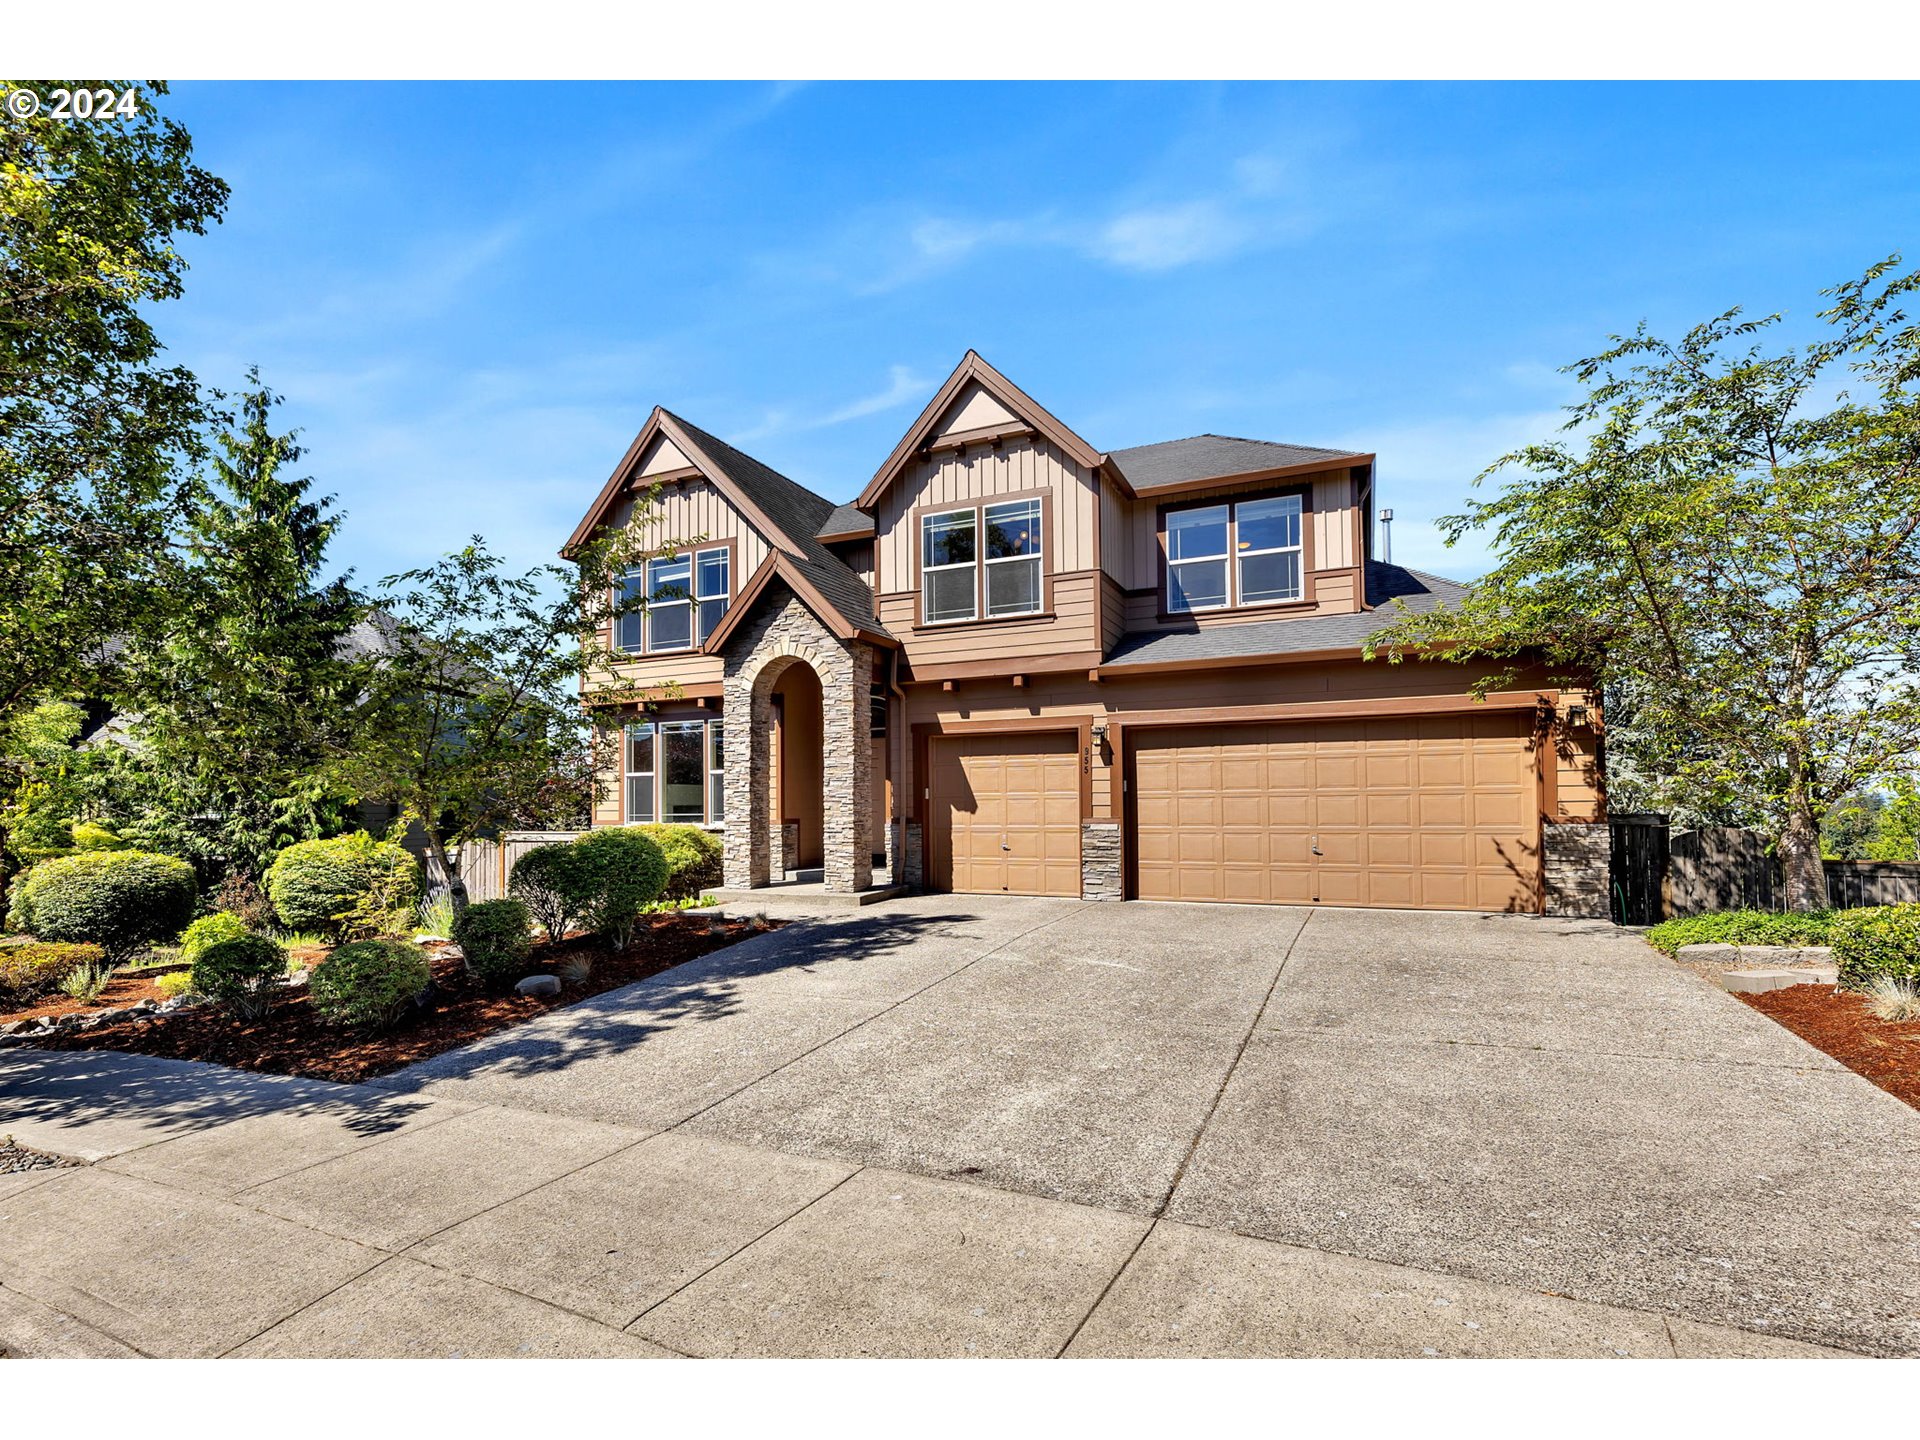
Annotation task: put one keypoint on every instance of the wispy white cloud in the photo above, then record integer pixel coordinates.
(904, 386)
(1164, 237)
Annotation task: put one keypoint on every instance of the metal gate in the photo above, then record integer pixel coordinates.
(1638, 873)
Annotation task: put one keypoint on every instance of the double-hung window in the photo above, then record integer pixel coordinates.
(1244, 552)
(948, 567)
(989, 553)
(1013, 558)
(678, 601)
(675, 772)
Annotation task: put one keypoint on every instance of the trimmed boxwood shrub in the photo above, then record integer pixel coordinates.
(693, 859)
(1879, 942)
(314, 883)
(37, 967)
(619, 870)
(547, 880)
(210, 930)
(1742, 927)
(242, 974)
(369, 984)
(496, 937)
(120, 900)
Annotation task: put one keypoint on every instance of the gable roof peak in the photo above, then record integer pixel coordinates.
(973, 367)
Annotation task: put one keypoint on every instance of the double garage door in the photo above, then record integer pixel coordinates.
(1436, 812)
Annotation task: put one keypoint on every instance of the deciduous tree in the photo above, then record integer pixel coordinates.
(1728, 533)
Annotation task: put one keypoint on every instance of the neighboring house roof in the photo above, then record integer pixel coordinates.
(1260, 639)
(1215, 457)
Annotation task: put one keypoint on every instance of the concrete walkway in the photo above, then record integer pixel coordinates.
(951, 1127)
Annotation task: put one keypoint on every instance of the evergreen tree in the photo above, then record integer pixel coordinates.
(250, 689)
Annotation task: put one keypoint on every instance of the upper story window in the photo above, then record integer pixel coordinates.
(685, 597)
(1234, 553)
(993, 551)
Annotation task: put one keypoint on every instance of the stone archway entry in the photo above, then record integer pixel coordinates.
(785, 633)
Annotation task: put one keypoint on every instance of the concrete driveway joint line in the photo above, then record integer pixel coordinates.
(1199, 1131)
(878, 1014)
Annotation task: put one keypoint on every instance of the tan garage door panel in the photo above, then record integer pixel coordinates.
(1004, 816)
(1434, 813)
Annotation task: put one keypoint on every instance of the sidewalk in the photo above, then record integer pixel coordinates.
(226, 1214)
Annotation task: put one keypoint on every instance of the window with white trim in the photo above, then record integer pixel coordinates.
(989, 553)
(675, 772)
(684, 598)
(1012, 559)
(1239, 553)
(1266, 549)
(948, 567)
(640, 774)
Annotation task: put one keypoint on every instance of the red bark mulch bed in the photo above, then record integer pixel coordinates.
(1839, 1022)
(292, 1040)
(125, 988)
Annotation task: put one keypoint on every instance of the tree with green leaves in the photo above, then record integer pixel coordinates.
(472, 719)
(94, 427)
(1730, 535)
(249, 690)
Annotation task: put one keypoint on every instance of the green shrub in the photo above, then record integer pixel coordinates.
(1742, 927)
(333, 884)
(1880, 942)
(210, 930)
(86, 982)
(40, 967)
(368, 984)
(693, 859)
(173, 984)
(242, 974)
(89, 836)
(546, 880)
(120, 900)
(619, 871)
(496, 937)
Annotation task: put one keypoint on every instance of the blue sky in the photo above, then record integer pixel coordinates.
(471, 295)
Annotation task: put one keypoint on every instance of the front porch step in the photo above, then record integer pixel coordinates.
(813, 896)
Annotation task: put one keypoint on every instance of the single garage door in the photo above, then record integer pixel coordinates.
(1431, 813)
(1004, 814)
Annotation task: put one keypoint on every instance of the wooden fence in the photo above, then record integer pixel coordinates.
(1724, 868)
(486, 864)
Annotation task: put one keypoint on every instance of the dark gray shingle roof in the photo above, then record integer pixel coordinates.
(1258, 638)
(846, 520)
(799, 513)
(1210, 457)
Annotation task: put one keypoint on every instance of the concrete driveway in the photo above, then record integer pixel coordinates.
(964, 1126)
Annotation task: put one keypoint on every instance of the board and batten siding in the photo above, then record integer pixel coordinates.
(1138, 560)
(979, 473)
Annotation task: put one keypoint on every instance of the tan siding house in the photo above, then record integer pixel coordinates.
(1018, 664)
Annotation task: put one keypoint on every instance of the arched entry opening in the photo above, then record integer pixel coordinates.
(796, 772)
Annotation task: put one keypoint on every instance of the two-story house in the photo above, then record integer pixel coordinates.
(1019, 664)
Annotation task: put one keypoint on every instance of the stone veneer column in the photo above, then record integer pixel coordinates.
(1578, 862)
(1100, 877)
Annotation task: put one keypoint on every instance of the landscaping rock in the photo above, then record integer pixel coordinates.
(1758, 982)
(539, 985)
(14, 1027)
(1695, 954)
